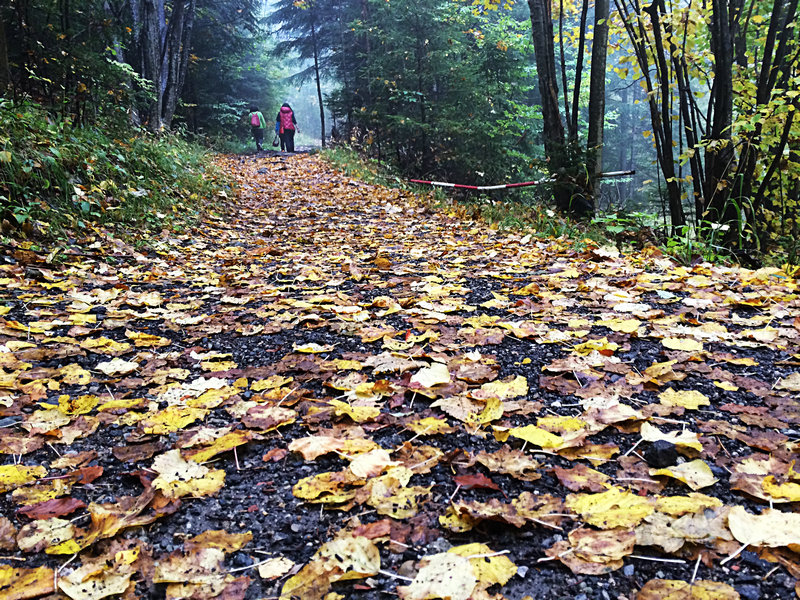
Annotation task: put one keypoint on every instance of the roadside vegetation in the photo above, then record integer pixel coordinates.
(57, 178)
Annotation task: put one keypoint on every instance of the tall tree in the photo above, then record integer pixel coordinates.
(597, 90)
(309, 28)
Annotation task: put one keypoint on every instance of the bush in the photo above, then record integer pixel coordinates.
(55, 176)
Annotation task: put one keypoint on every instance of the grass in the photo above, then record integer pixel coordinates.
(57, 179)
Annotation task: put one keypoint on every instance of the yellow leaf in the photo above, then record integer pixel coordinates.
(726, 385)
(200, 565)
(77, 406)
(21, 584)
(441, 576)
(677, 506)
(788, 490)
(222, 444)
(359, 414)
(371, 464)
(354, 557)
(389, 496)
(488, 567)
(621, 325)
(13, 476)
(92, 582)
(75, 375)
(504, 389)
(172, 418)
(670, 589)
(771, 528)
(610, 509)
(598, 345)
(790, 382)
(44, 533)
(275, 568)
(272, 382)
(178, 477)
(147, 340)
(683, 439)
(691, 399)
(696, 474)
(220, 539)
(429, 426)
(684, 344)
(330, 487)
(104, 345)
(116, 367)
(435, 374)
(536, 436)
(560, 424)
(337, 560)
(312, 348)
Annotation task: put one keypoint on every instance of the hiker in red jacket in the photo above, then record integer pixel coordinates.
(287, 125)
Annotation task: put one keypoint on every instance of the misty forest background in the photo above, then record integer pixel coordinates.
(105, 103)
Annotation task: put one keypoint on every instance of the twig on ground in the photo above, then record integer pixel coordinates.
(57, 572)
(734, 555)
(394, 575)
(696, 566)
(488, 555)
(679, 561)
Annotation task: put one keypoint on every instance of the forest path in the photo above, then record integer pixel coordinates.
(328, 380)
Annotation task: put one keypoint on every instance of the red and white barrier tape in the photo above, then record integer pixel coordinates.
(461, 186)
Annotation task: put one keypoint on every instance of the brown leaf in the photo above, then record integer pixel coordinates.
(581, 478)
(57, 507)
(476, 481)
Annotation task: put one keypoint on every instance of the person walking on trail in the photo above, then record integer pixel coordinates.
(287, 126)
(257, 125)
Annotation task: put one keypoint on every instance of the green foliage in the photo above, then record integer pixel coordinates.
(437, 89)
(65, 177)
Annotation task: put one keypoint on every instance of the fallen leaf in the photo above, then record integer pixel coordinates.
(21, 583)
(663, 589)
(447, 576)
(772, 528)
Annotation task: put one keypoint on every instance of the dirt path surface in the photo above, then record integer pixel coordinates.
(334, 391)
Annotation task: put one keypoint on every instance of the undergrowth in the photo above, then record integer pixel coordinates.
(529, 212)
(57, 179)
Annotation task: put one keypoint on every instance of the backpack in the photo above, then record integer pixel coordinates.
(286, 115)
(255, 120)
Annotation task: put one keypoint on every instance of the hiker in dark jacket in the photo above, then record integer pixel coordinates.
(257, 125)
(287, 125)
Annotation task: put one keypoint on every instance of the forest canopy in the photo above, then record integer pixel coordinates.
(699, 98)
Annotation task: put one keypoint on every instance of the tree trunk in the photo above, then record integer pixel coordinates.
(576, 89)
(553, 127)
(660, 111)
(5, 75)
(720, 156)
(597, 90)
(151, 61)
(179, 42)
(319, 84)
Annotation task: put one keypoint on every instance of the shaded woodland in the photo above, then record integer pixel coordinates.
(698, 97)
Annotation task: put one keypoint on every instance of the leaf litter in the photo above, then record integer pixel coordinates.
(331, 389)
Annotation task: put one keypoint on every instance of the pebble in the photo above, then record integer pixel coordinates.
(628, 570)
(522, 571)
(749, 591)
(581, 597)
(751, 558)
(660, 454)
(242, 560)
